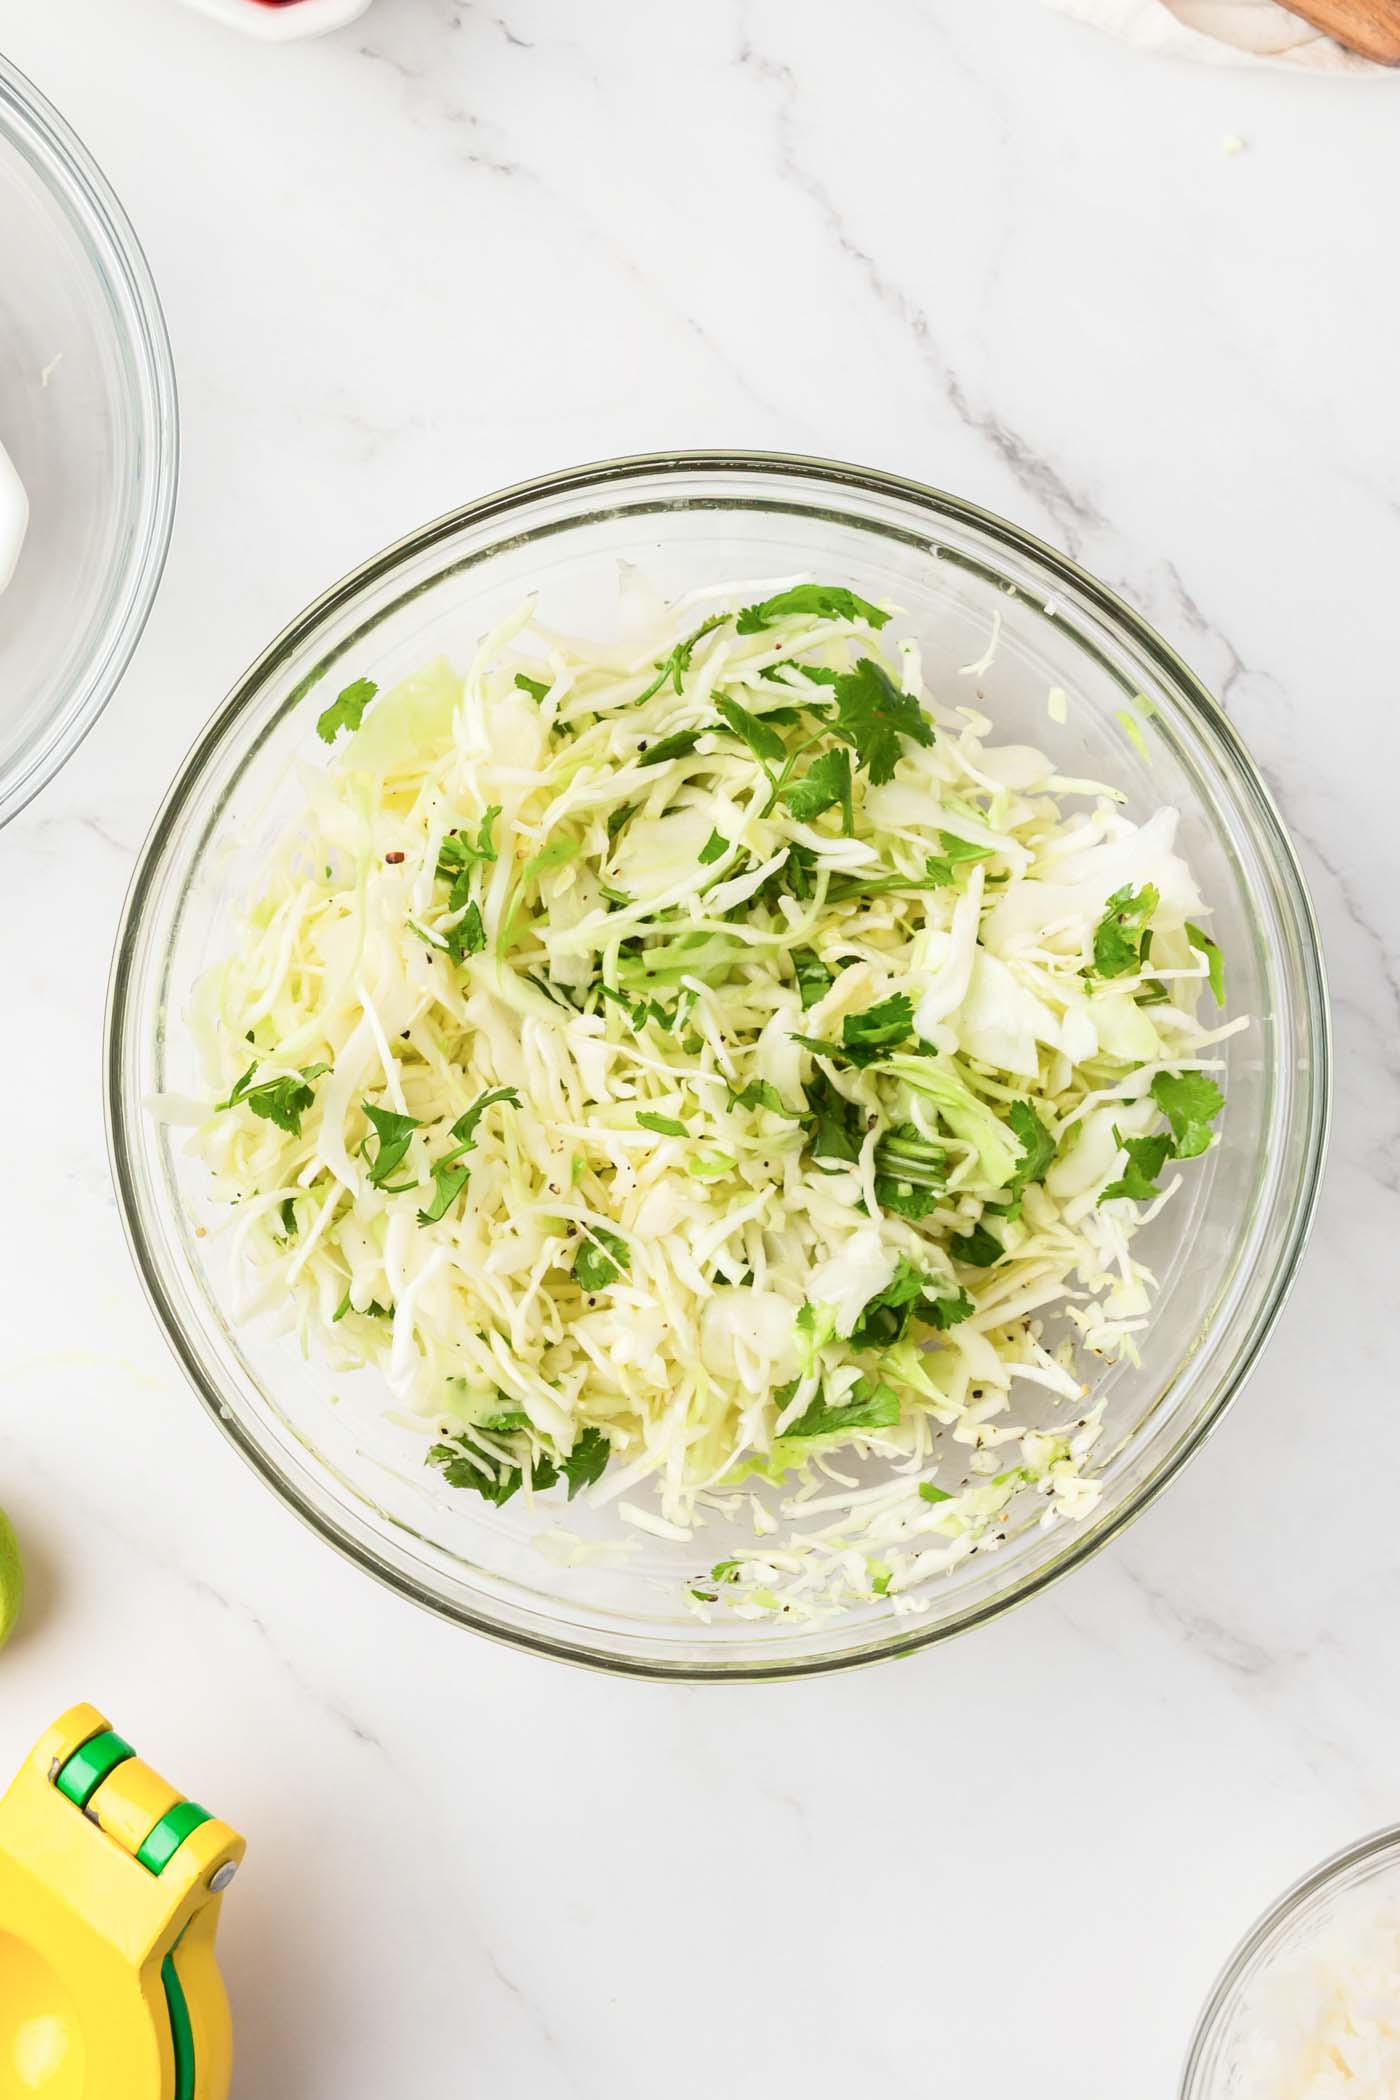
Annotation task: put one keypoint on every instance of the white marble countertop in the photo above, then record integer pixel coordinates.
(463, 243)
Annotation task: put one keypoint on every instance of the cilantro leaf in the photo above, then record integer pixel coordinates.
(956, 852)
(838, 1124)
(287, 1211)
(978, 1248)
(666, 1126)
(814, 980)
(828, 601)
(460, 851)
(394, 1134)
(872, 714)
(1146, 1158)
(888, 1023)
(346, 711)
(678, 745)
(1120, 938)
(281, 1101)
(1190, 1101)
(760, 1093)
(600, 1260)
(678, 662)
(1037, 1146)
(904, 1199)
(462, 1468)
(943, 1310)
(448, 1184)
(467, 937)
(1215, 961)
(373, 1311)
(713, 849)
(872, 1405)
(762, 740)
(825, 783)
(931, 1493)
(533, 686)
(464, 1129)
(587, 1461)
(449, 1177)
(884, 1319)
(866, 1037)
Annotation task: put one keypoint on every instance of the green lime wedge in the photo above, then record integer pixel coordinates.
(11, 1579)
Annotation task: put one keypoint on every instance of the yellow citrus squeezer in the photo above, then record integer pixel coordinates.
(110, 1892)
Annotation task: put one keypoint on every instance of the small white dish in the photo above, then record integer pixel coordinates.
(279, 21)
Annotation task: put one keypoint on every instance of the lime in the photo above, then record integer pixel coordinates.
(11, 1579)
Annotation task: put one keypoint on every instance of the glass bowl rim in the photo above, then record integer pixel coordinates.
(1267, 1927)
(595, 475)
(77, 184)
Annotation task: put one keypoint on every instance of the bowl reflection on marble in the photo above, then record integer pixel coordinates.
(1225, 1255)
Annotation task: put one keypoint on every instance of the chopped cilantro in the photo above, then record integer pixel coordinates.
(931, 1493)
(281, 1101)
(373, 1311)
(872, 714)
(462, 1468)
(1215, 961)
(1122, 937)
(904, 1199)
(825, 600)
(1037, 1146)
(867, 1037)
(587, 1461)
(347, 709)
(825, 783)
(760, 1093)
(814, 980)
(978, 1248)
(762, 740)
(467, 937)
(448, 1183)
(872, 1405)
(287, 1211)
(533, 686)
(713, 849)
(461, 851)
(1190, 1101)
(678, 662)
(678, 745)
(394, 1134)
(600, 1260)
(838, 1125)
(1146, 1158)
(666, 1126)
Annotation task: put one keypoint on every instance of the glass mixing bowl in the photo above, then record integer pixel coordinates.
(1259, 1992)
(1225, 1252)
(88, 415)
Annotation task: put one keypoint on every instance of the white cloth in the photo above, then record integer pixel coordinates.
(1228, 32)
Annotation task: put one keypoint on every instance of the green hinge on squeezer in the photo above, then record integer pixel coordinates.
(110, 1888)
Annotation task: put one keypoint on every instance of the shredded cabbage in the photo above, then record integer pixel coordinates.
(705, 1061)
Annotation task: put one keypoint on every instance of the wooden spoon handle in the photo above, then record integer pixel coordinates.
(1371, 27)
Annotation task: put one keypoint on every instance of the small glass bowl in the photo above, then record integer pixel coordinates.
(1218, 2057)
(88, 415)
(1225, 1252)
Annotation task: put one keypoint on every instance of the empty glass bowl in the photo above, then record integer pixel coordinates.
(87, 414)
(1225, 1252)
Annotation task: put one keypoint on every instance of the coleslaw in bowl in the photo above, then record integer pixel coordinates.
(780, 1067)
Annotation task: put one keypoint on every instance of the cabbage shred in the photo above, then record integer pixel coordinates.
(709, 1063)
